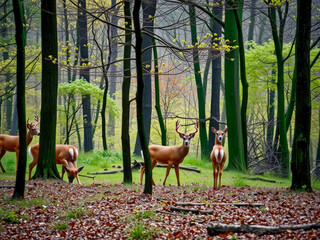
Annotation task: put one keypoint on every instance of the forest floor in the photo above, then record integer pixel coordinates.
(54, 209)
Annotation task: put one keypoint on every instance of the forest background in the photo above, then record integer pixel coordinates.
(229, 63)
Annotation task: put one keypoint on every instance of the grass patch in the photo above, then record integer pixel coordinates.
(97, 161)
(76, 212)
(140, 231)
(239, 182)
(60, 225)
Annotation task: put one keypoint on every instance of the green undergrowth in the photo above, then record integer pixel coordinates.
(99, 161)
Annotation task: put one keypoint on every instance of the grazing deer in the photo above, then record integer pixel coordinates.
(170, 155)
(11, 143)
(218, 156)
(66, 155)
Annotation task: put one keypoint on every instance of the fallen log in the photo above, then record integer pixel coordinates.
(238, 204)
(196, 211)
(136, 164)
(218, 228)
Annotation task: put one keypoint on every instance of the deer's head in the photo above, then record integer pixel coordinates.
(219, 134)
(33, 128)
(186, 137)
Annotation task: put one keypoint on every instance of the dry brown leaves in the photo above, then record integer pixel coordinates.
(58, 210)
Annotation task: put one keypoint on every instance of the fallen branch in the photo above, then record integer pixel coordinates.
(217, 228)
(170, 213)
(261, 179)
(86, 176)
(196, 211)
(136, 164)
(220, 204)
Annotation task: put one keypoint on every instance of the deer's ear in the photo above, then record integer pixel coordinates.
(66, 168)
(226, 130)
(213, 129)
(181, 135)
(80, 168)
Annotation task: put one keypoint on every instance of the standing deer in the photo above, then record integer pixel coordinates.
(218, 156)
(170, 155)
(66, 155)
(11, 143)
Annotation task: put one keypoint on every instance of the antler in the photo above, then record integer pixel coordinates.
(177, 127)
(196, 127)
(36, 118)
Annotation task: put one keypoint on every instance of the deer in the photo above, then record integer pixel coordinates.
(66, 155)
(218, 156)
(11, 143)
(170, 155)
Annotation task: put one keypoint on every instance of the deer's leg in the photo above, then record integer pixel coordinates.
(215, 177)
(62, 172)
(176, 168)
(167, 173)
(143, 169)
(17, 156)
(31, 166)
(220, 173)
(1, 155)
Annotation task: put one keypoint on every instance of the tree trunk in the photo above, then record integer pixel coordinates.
(84, 73)
(280, 86)
(46, 167)
(216, 79)
(149, 9)
(245, 87)
(113, 69)
(205, 153)
(125, 126)
(157, 93)
(300, 163)
(232, 92)
(21, 89)
(139, 98)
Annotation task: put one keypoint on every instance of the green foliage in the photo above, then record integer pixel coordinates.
(239, 182)
(76, 212)
(81, 87)
(100, 158)
(140, 231)
(60, 225)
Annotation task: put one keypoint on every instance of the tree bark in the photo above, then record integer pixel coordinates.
(218, 228)
(84, 73)
(139, 98)
(232, 92)
(21, 89)
(46, 167)
(300, 162)
(216, 79)
(125, 136)
(149, 9)
(205, 153)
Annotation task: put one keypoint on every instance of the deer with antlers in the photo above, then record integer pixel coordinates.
(66, 155)
(218, 156)
(11, 143)
(170, 155)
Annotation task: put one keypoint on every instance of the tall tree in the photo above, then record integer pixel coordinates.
(84, 73)
(300, 163)
(139, 97)
(277, 38)
(112, 72)
(149, 9)
(216, 78)
(245, 86)
(21, 88)
(232, 90)
(46, 167)
(125, 136)
(201, 100)
(157, 95)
